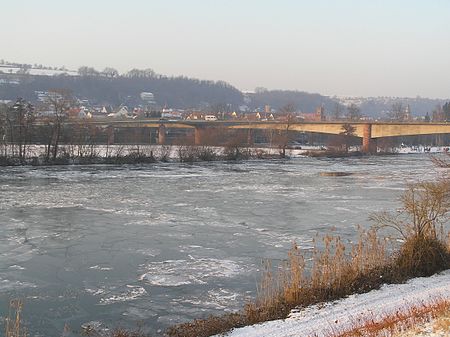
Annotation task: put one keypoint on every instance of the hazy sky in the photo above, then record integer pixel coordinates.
(342, 47)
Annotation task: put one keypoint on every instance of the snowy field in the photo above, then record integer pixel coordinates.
(321, 320)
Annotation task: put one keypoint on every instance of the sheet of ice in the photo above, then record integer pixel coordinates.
(320, 320)
(115, 294)
(172, 273)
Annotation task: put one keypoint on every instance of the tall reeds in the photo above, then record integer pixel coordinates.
(13, 322)
(335, 270)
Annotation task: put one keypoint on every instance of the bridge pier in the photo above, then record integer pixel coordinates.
(198, 136)
(250, 139)
(162, 134)
(110, 135)
(369, 144)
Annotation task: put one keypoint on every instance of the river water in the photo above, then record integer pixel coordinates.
(159, 244)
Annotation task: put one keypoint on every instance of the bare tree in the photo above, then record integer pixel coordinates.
(17, 124)
(282, 137)
(24, 117)
(438, 114)
(288, 109)
(164, 152)
(4, 129)
(337, 111)
(446, 111)
(354, 112)
(110, 72)
(425, 207)
(87, 71)
(83, 138)
(138, 73)
(348, 132)
(397, 112)
(58, 102)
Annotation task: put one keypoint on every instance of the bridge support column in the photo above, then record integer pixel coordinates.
(110, 135)
(250, 140)
(162, 134)
(369, 144)
(198, 136)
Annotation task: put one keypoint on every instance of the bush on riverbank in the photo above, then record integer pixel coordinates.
(332, 153)
(335, 273)
(120, 155)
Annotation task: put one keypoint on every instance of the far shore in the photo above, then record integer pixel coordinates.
(120, 154)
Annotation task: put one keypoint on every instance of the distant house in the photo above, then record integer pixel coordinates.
(318, 116)
(195, 115)
(81, 112)
(148, 98)
(106, 110)
(171, 114)
(122, 112)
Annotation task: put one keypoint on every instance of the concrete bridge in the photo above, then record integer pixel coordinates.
(368, 131)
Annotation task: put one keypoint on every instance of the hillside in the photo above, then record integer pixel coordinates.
(300, 101)
(179, 92)
(381, 106)
(183, 93)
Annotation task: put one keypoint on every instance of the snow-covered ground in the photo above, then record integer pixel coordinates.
(40, 72)
(422, 149)
(439, 327)
(321, 320)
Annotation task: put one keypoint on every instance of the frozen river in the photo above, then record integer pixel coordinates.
(155, 245)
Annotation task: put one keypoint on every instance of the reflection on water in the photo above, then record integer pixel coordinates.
(163, 243)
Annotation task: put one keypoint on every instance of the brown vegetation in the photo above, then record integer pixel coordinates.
(404, 319)
(13, 322)
(336, 273)
(441, 162)
(332, 152)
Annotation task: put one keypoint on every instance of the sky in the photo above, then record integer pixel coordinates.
(340, 47)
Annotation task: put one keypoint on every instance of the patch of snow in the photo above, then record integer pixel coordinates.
(321, 320)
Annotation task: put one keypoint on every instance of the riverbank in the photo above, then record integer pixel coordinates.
(334, 274)
(134, 154)
(360, 312)
(37, 155)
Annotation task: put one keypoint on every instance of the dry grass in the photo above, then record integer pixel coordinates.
(442, 323)
(408, 319)
(422, 256)
(13, 322)
(439, 162)
(333, 274)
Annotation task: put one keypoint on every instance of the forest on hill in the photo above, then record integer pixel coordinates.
(109, 88)
(173, 92)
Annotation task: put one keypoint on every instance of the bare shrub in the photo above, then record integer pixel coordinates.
(207, 327)
(236, 148)
(425, 208)
(333, 274)
(163, 153)
(187, 153)
(13, 322)
(440, 162)
(420, 222)
(422, 256)
(206, 153)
